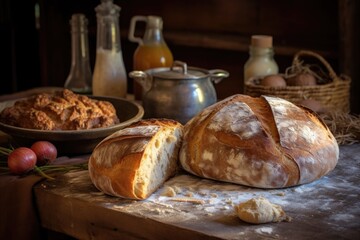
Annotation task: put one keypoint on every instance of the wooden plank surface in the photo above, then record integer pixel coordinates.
(328, 208)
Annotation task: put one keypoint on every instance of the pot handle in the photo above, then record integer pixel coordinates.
(216, 75)
(144, 79)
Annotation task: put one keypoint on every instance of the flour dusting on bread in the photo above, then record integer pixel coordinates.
(264, 142)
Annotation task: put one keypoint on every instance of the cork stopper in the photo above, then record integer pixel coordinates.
(262, 41)
(78, 23)
(154, 22)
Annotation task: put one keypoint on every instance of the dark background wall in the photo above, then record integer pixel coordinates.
(203, 33)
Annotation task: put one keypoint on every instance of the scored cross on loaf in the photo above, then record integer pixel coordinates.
(264, 142)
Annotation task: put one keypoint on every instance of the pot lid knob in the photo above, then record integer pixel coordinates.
(179, 70)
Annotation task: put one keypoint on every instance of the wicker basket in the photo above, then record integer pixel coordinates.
(334, 95)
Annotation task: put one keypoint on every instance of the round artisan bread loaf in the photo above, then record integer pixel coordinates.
(264, 142)
(135, 161)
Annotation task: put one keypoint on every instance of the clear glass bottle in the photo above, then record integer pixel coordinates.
(261, 61)
(152, 51)
(79, 79)
(109, 78)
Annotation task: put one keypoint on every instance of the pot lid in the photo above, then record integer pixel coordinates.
(179, 70)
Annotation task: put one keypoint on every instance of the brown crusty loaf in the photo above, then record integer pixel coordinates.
(61, 110)
(136, 161)
(264, 142)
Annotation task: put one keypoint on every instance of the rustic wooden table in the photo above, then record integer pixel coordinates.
(328, 208)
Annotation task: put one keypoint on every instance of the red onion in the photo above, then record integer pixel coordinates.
(21, 160)
(45, 152)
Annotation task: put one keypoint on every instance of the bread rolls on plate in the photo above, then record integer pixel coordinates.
(135, 161)
(264, 142)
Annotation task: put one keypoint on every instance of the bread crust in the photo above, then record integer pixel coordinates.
(116, 163)
(264, 142)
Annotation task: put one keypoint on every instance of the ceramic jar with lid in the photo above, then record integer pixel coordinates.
(261, 61)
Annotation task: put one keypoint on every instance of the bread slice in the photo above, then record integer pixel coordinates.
(135, 161)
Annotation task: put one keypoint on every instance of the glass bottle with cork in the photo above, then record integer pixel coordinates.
(109, 78)
(261, 61)
(152, 50)
(79, 79)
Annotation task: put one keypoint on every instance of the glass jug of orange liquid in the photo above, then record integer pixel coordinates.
(152, 51)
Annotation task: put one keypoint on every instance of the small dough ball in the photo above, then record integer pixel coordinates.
(273, 81)
(302, 79)
(168, 192)
(260, 210)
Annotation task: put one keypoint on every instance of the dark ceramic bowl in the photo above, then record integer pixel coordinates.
(78, 142)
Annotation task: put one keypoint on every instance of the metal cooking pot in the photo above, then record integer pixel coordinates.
(179, 92)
